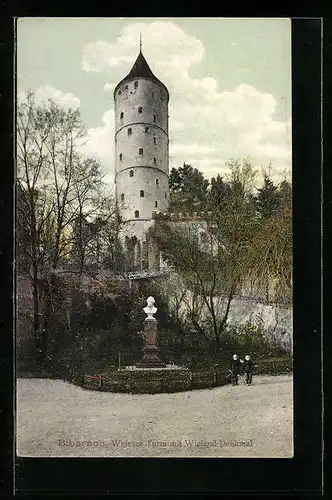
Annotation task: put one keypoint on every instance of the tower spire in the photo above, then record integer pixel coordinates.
(140, 42)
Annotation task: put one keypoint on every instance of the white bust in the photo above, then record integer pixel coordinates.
(150, 310)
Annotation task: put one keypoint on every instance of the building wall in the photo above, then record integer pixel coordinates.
(148, 94)
(148, 130)
(154, 142)
(129, 192)
(141, 163)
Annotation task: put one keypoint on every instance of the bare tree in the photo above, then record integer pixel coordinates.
(201, 272)
(215, 269)
(33, 209)
(57, 186)
(270, 257)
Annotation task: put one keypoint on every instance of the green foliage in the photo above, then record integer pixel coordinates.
(274, 366)
(248, 337)
(219, 268)
(188, 188)
(89, 327)
(153, 382)
(248, 240)
(270, 257)
(272, 199)
(218, 193)
(268, 199)
(66, 216)
(25, 344)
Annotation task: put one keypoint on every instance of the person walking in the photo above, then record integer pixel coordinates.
(235, 369)
(248, 368)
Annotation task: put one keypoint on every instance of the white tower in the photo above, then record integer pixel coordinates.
(141, 154)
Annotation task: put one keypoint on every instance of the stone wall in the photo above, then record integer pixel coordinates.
(277, 321)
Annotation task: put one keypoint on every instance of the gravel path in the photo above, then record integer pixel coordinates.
(57, 419)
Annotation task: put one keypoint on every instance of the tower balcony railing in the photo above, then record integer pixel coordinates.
(145, 273)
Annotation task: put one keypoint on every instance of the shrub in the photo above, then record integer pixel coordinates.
(274, 366)
(155, 381)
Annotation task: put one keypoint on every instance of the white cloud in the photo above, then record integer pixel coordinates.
(98, 56)
(46, 92)
(98, 142)
(109, 87)
(190, 149)
(208, 126)
(182, 50)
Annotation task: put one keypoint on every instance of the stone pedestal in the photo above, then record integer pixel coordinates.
(150, 350)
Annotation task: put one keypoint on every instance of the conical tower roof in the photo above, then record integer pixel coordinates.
(140, 69)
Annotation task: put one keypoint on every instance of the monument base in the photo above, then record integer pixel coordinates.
(150, 358)
(150, 350)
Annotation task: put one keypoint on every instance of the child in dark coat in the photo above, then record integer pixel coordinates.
(248, 368)
(235, 369)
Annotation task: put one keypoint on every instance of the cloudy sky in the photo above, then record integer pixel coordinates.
(229, 82)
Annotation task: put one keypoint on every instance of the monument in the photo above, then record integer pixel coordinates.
(150, 350)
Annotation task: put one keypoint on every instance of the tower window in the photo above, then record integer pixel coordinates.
(136, 214)
(136, 85)
(129, 131)
(146, 130)
(154, 160)
(155, 204)
(131, 173)
(140, 110)
(141, 193)
(122, 197)
(155, 140)
(119, 92)
(157, 182)
(126, 87)
(154, 118)
(121, 115)
(140, 151)
(165, 194)
(120, 156)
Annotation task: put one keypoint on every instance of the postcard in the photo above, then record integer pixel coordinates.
(154, 271)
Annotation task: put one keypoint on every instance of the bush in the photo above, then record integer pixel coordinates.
(274, 366)
(102, 325)
(154, 381)
(147, 381)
